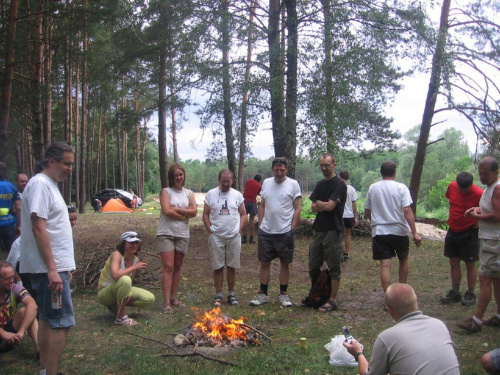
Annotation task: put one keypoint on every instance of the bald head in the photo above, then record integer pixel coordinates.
(401, 299)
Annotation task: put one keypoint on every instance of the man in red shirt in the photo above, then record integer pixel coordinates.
(461, 242)
(252, 189)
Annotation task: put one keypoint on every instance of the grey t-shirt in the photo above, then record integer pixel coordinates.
(417, 344)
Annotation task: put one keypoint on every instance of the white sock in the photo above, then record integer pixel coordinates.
(478, 321)
(43, 372)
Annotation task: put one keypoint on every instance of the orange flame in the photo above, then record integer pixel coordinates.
(218, 327)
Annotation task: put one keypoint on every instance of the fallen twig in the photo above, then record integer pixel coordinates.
(472, 350)
(151, 339)
(153, 255)
(195, 353)
(256, 330)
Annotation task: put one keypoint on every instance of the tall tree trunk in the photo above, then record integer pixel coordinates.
(76, 117)
(244, 101)
(8, 76)
(226, 88)
(276, 78)
(331, 137)
(47, 118)
(68, 107)
(162, 108)
(291, 85)
(105, 153)
(36, 84)
(430, 104)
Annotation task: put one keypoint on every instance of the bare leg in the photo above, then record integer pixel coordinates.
(121, 310)
(284, 273)
(385, 273)
(231, 278)
(347, 240)
(488, 365)
(496, 286)
(176, 276)
(167, 259)
(265, 272)
(219, 278)
(456, 272)
(251, 224)
(32, 328)
(404, 268)
(52, 343)
(335, 289)
(471, 275)
(485, 291)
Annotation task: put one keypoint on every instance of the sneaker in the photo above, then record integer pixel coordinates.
(244, 239)
(469, 299)
(492, 322)
(345, 257)
(250, 240)
(259, 299)
(452, 296)
(285, 300)
(470, 325)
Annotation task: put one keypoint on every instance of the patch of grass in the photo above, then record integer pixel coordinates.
(97, 346)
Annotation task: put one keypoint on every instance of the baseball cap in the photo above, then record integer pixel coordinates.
(130, 237)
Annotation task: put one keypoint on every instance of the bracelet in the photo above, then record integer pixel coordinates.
(358, 354)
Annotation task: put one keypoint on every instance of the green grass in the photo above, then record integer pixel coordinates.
(97, 346)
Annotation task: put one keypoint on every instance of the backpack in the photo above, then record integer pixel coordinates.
(320, 291)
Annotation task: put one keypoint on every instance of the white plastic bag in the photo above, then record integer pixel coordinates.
(339, 356)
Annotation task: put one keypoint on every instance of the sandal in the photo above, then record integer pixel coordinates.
(233, 300)
(167, 309)
(217, 301)
(329, 306)
(175, 302)
(126, 321)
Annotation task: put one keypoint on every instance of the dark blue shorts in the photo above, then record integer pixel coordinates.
(495, 358)
(251, 208)
(57, 318)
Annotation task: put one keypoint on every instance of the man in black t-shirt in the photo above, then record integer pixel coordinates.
(328, 199)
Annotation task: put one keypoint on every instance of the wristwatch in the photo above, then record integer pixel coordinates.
(358, 354)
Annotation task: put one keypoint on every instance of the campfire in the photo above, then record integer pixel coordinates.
(213, 328)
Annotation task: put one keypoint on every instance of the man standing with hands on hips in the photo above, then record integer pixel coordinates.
(47, 253)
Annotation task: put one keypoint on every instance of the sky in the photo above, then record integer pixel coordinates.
(406, 111)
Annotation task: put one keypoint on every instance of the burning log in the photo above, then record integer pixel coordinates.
(216, 329)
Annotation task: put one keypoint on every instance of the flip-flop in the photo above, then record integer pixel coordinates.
(126, 321)
(329, 306)
(175, 302)
(167, 309)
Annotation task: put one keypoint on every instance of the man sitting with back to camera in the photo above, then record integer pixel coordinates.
(417, 344)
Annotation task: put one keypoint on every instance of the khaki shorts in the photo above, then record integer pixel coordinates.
(224, 251)
(489, 256)
(171, 243)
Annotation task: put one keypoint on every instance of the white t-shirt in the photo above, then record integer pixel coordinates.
(41, 196)
(386, 200)
(176, 228)
(352, 196)
(224, 214)
(15, 253)
(279, 200)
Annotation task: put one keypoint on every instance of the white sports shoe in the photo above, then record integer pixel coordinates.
(285, 300)
(259, 299)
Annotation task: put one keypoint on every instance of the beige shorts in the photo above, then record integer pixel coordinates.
(224, 251)
(171, 243)
(489, 258)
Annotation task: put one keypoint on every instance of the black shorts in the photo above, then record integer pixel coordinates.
(5, 345)
(390, 245)
(251, 208)
(348, 222)
(463, 245)
(272, 246)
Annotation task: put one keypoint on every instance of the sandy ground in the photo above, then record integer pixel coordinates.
(430, 232)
